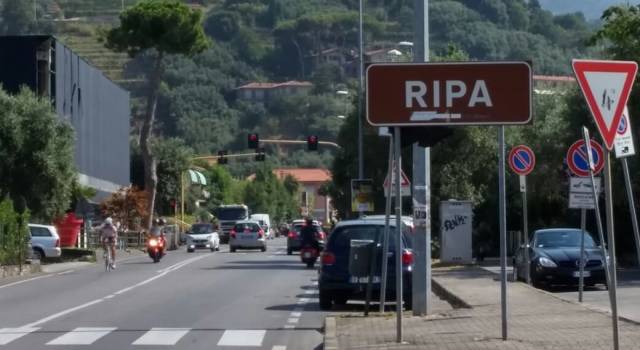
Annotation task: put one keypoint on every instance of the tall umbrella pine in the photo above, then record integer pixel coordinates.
(156, 28)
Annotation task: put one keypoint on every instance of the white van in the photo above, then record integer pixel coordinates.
(265, 223)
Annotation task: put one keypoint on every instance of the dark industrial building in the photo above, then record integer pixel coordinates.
(97, 108)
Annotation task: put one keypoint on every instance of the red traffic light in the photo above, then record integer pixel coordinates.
(312, 143)
(253, 141)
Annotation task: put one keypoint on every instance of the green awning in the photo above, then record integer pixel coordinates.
(197, 178)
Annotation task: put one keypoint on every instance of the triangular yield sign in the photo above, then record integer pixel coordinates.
(606, 86)
(405, 180)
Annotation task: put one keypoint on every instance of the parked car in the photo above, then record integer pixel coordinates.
(336, 285)
(247, 234)
(202, 236)
(293, 238)
(265, 222)
(45, 241)
(554, 258)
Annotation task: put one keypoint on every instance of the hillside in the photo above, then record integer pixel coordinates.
(592, 9)
(300, 40)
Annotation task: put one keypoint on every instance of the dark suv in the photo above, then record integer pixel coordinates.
(337, 286)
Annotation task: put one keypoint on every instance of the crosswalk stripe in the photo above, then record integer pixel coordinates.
(162, 336)
(279, 347)
(242, 338)
(82, 336)
(7, 335)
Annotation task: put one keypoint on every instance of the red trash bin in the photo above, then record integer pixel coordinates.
(68, 228)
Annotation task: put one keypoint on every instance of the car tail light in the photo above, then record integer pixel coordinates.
(232, 233)
(260, 233)
(292, 234)
(320, 235)
(57, 242)
(328, 258)
(407, 257)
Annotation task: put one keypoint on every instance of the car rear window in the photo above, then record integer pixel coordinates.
(298, 228)
(341, 237)
(39, 232)
(253, 227)
(199, 229)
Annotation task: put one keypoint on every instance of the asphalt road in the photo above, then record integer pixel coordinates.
(202, 300)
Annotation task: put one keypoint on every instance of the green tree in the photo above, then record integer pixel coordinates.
(17, 17)
(173, 160)
(36, 155)
(620, 31)
(162, 27)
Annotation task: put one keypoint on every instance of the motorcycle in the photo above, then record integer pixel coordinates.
(309, 255)
(155, 248)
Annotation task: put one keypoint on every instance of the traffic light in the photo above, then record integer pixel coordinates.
(260, 157)
(253, 140)
(222, 159)
(312, 143)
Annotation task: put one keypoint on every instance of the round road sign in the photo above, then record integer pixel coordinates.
(522, 160)
(578, 161)
(622, 127)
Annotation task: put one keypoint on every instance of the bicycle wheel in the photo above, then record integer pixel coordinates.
(107, 260)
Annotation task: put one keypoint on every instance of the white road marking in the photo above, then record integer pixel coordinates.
(296, 314)
(309, 291)
(303, 300)
(110, 296)
(162, 336)
(279, 347)
(24, 281)
(242, 338)
(298, 309)
(289, 326)
(99, 300)
(7, 335)
(293, 320)
(64, 272)
(82, 336)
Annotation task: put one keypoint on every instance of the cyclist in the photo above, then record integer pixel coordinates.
(109, 236)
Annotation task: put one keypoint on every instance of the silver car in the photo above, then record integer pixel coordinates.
(202, 236)
(247, 234)
(45, 241)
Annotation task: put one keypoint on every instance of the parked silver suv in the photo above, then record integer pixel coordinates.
(45, 241)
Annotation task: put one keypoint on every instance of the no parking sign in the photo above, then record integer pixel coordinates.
(578, 159)
(522, 160)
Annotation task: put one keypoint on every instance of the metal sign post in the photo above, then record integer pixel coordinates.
(604, 250)
(503, 230)
(612, 245)
(385, 238)
(398, 257)
(522, 160)
(583, 224)
(624, 147)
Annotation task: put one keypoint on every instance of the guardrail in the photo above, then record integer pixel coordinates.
(133, 239)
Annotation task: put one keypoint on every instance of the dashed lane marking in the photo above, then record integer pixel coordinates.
(162, 336)
(7, 335)
(82, 336)
(242, 338)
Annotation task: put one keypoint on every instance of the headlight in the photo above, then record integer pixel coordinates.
(546, 262)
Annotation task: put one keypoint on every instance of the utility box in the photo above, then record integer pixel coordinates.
(456, 224)
(360, 257)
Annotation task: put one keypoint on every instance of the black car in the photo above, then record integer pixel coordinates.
(554, 256)
(336, 285)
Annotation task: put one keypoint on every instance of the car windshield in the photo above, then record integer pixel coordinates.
(198, 229)
(231, 213)
(342, 237)
(562, 239)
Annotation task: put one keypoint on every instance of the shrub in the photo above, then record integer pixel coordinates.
(13, 234)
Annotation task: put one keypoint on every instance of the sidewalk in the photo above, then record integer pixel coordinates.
(536, 320)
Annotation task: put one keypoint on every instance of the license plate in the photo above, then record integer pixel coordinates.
(354, 279)
(576, 274)
(246, 236)
(307, 255)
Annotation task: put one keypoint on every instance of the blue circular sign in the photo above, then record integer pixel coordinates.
(578, 160)
(622, 127)
(522, 160)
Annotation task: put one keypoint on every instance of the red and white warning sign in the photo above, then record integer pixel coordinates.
(405, 184)
(606, 86)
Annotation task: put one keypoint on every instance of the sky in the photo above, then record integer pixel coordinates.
(592, 9)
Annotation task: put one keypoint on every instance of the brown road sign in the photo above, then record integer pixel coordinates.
(465, 93)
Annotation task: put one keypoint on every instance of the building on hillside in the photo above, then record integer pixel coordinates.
(310, 181)
(262, 92)
(80, 94)
(552, 84)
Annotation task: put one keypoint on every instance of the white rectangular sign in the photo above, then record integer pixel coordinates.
(581, 201)
(456, 223)
(583, 185)
(623, 143)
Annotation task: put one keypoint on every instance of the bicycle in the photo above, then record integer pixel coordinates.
(108, 258)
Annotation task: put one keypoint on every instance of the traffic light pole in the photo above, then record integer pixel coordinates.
(297, 142)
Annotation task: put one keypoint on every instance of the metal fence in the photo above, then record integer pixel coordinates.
(132, 239)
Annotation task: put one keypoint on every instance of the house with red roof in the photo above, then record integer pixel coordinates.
(262, 92)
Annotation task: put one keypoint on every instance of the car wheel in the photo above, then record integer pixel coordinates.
(213, 250)
(325, 300)
(189, 250)
(341, 300)
(289, 252)
(264, 249)
(38, 254)
(218, 248)
(232, 250)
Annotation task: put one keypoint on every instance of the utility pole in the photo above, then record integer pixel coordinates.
(421, 276)
(360, 90)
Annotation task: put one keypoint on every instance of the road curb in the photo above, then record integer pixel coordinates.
(443, 293)
(330, 336)
(586, 306)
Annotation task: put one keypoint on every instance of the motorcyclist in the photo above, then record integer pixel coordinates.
(108, 237)
(157, 230)
(308, 235)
